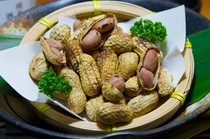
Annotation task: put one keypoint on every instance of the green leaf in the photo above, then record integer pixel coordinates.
(8, 41)
(201, 52)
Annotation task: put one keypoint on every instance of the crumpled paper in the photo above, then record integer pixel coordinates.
(15, 61)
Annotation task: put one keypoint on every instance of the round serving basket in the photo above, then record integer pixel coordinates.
(65, 122)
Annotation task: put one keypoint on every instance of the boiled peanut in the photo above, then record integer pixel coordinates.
(132, 87)
(56, 53)
(76, 24)
(89, 75)
(52, 54)
(61, 33)
(38, 66)
(91, 39)
(107, 63)
(143, 103)
(147, 77)
(111, 93)
(55, 44)
(76, 99)
(110, 113)
(165, 86)
(104, 25)
(151, 60)
(92, 106)
(118, 82)
(127, 64)
(119, 43)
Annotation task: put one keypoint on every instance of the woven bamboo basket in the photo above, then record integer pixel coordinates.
(65, 122)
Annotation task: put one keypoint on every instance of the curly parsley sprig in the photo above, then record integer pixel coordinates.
(154, 32)
(51, 82)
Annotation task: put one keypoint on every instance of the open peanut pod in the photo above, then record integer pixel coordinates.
(163, 111)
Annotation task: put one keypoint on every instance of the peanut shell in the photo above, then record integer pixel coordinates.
(132, 87)
(38, 66)
(165, 86)
(107, 64)
(143, 103)
(52, 54)
(142, 47)
(92, 106)
(87, 25)
(77, 99)
(60, 33)
(119, 43)
(110, 113)
(127, 64)
(89, 75)
(73, 51)
(111, 93)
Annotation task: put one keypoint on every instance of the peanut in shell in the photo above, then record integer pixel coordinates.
(73, 51)
(38, 66)
(132, 87)
(92, 106)
(143, 103)
(52, 54)
(119, 43)
(111, 93)
(110, 113)
(77, 99)
(165, 86)
(149, 65)
(89, 75)
(107, 64)
(61, 33)
(127, 64)
(87, 26)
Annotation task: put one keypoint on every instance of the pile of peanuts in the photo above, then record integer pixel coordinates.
(115, 77)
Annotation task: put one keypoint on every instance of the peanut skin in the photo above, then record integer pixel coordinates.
(55, 44)
(147, 77)
(76, 24)
(118, 82)
(151, 60)
(104, 25)
(91, 39)
(56, 53)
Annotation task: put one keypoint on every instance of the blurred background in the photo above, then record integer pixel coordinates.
(11, 8)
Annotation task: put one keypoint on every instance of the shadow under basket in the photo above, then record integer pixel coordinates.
(65, 122)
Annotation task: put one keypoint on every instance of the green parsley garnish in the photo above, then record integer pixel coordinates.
(51, 82)
(153, 32)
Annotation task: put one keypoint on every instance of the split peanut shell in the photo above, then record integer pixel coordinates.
(52, 54)
(86, 27)
(147, 78)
